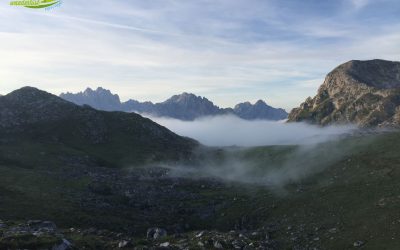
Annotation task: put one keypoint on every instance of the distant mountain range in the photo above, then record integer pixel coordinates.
(366, 93)
(185, 106)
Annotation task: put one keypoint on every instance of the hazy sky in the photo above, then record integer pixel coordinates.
(227, 50)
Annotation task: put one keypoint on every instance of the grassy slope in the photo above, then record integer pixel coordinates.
(359, 194)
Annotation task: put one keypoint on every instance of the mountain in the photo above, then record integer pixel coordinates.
(185, 106)
(366, 93)
(100, 98)
(260, 110)
(32, 115)
(69, 179)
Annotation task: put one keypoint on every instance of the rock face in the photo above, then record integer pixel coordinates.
(366, 93)
(185, 106)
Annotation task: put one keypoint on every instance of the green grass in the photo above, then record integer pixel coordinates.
(355, 190)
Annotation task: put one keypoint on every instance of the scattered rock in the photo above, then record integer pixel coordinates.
(218, 245)
(200, 234)
(333, 230)
(123, 244)
(381, 202)
(65, 245)
(156, 233)
(165, 244)
(358, 243)
(42, 226)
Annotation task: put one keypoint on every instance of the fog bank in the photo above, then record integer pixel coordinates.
(231, 130)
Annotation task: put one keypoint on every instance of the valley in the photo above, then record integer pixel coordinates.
(333, 206)
(200, 125)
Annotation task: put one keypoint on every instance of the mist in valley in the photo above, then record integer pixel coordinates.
(266, 153)
(232, 131)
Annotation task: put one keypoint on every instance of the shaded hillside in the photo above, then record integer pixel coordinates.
(31, 115)
(363, 92)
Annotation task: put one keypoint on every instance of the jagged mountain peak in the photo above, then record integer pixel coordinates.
(186, 97)
(99, 98)
(242, 104)
(260, 103)
(98, 90)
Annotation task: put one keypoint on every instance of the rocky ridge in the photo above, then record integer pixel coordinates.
(366, 93)
(185, 106)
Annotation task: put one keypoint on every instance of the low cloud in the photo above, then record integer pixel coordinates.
(269, 153)
(274, 167)
(233, 131)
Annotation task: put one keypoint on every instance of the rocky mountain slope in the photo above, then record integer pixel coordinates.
(366, 93)
(33, 115)
(185, 106)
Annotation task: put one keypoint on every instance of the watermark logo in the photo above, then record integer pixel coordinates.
(37, 4)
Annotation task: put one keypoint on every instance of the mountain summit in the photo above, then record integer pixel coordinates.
(185, 106)
(100, 98)
(366, 93)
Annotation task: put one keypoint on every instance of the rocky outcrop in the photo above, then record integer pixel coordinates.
(185, 106)
(366, 93)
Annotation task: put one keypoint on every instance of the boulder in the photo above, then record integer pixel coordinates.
(156, 233)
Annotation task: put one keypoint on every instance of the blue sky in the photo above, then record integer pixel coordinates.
(227, 50)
